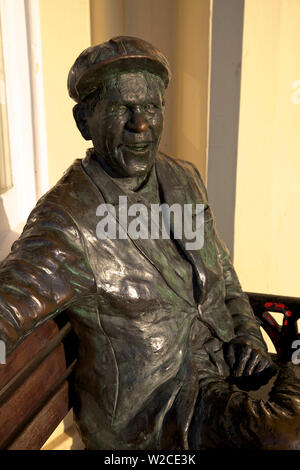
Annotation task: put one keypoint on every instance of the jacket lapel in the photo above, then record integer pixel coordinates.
(155, 251)
(180, 193)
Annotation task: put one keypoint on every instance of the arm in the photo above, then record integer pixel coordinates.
(46, 272)
(245, 324)
(247, 352)
(225, 418)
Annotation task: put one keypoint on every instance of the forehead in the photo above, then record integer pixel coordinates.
(135, 87)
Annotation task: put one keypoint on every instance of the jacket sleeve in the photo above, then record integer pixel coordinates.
(237, 302)
(225, 418)
(245, 323)
(46, 272)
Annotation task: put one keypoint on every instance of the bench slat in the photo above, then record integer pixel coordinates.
(24, 353)
(41, 427)
(39, 404)
(32, 365)
(29, 395)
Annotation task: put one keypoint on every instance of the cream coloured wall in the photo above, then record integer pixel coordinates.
(65, 32)
(154, 21)
(107, 19)
(191, 82)
(267, 220)
(267, 198)
(181, 29)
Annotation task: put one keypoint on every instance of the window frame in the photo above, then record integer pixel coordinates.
(25, 108)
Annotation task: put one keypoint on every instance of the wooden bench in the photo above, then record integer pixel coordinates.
(36, 383)
(36, 386)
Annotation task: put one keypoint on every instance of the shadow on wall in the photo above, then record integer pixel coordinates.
(226, 62)
(7, 236)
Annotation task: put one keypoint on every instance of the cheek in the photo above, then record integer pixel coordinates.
(97, 128)
(157, 123)
(107, 131)
(114, 126)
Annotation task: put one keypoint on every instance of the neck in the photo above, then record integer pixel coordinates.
(131, 183)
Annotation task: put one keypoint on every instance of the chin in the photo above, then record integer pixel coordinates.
(136, 165)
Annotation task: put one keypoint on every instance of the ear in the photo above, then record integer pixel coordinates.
(81, 121)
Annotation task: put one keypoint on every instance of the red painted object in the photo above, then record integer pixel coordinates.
(282, 336)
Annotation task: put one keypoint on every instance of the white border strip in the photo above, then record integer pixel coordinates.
(19, 200)
(37, 90)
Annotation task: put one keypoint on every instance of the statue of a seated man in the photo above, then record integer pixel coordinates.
(161, 323)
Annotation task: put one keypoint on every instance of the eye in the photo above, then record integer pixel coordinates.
(150, 108)
(118, 109)
(122, 109)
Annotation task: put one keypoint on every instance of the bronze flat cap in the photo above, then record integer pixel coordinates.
(119, 54)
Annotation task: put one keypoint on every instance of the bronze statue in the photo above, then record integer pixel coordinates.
(162, 330)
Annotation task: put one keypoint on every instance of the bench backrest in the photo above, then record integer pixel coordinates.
(34, 387)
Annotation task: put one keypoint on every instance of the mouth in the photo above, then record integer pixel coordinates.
(139, 147)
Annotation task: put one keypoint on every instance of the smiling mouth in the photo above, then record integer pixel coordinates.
(138, 147)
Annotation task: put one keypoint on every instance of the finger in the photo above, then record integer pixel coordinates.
(252, 363)
(241, 362)
(262, 365)
(230, 356)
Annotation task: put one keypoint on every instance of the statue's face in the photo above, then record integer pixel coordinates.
(126, 125)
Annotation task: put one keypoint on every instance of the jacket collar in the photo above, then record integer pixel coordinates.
(183, 191)
(175, 189)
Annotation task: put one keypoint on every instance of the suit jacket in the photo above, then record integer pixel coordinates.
(136, 379)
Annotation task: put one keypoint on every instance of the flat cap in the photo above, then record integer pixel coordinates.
(119, 54)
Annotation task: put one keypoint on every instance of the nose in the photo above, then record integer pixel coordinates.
(138, 121)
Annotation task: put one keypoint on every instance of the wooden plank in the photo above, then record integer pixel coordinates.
(46, 421)
(39, 405)
(26, 351)
(28, 369)
(30, 393)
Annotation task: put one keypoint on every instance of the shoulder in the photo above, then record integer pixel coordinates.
(66, 205)
(176, 162)
(184, 171)
(72, 193)
(71, 187)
